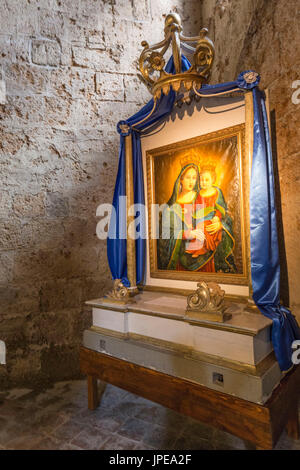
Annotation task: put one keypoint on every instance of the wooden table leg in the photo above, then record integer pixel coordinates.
(292, 425)
(93, 400)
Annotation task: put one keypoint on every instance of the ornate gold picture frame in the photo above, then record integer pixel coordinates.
(202, 184)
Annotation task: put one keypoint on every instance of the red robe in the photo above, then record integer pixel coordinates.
(211, 241)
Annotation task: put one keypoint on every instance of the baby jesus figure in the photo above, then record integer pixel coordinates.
(207, 235)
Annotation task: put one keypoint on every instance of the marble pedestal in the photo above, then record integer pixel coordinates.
(235, 356)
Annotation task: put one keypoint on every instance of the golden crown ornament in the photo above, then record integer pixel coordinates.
(152, 62)
(191, 156)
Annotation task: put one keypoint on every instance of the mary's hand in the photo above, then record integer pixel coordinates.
(198, 234)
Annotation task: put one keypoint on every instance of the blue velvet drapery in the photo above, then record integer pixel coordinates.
(265, 267)
(116, 247)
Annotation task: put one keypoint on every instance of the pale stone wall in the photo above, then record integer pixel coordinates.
(264, 35)
(69, 70)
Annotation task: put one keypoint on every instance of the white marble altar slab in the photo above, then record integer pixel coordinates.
(245, 337)
(149, 302)
(116, 321)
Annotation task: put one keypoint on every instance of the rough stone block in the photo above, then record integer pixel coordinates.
(286, 21)
(56, 205)
(5, 204)
(84, 202)
(95, 287)
(12, 331)
(137, 10)
(26, 79)
(85, 115)
(79, 232)
(107, 60)
(37, 266)
(66, 53)
(51, 327)
(97, 41)
(57, 362)
(28, 205)
(25, 369)
(4, 377)
(7, 51)
(135, 90)
(281, 91)
(6, 266)
(92, 14)
(287, 132)
(52, 23)
(110, 86)
(10, 234)
(20, 48)
(56, 111)
(30, 233)
(57, 263)
(82, 83)
(45, 52)
(9, 296)
(58, 294)
(18, 299)
(19, 17)
(141, 10)
(24, 112)
(72, 83)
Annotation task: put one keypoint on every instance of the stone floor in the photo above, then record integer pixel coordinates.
(58, 418)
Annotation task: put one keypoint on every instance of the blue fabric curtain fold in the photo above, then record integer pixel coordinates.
(265, 266)
(117, 233)
(116, 247)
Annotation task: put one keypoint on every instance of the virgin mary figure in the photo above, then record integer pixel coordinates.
(196, 229)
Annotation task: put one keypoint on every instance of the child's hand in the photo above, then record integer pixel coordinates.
(215, 225)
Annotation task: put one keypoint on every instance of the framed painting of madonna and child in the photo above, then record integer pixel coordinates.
(196, 208)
